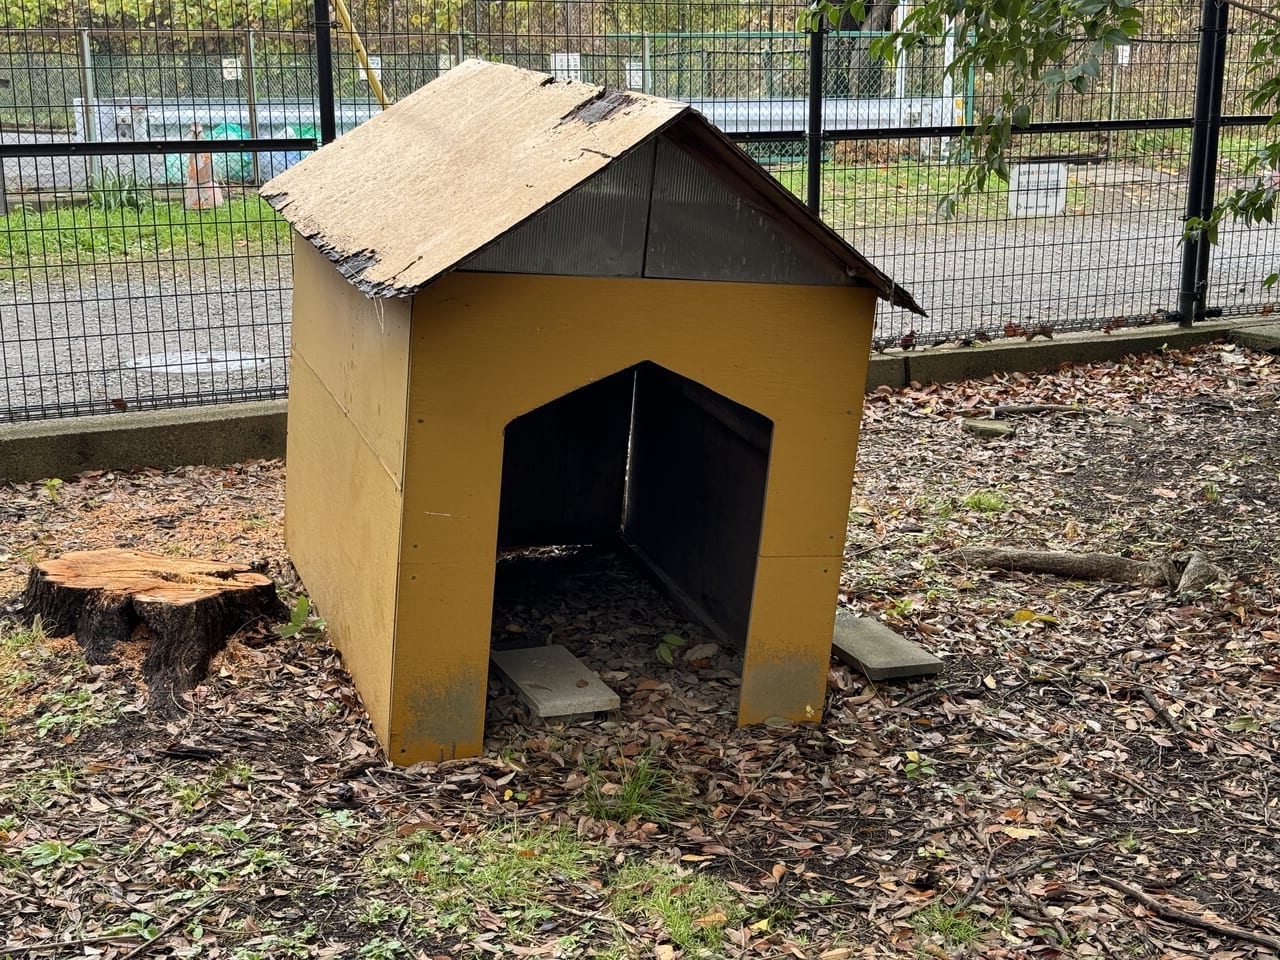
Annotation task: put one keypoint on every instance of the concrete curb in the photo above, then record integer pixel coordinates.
(949, 364)
(213, 435)
(232, 433)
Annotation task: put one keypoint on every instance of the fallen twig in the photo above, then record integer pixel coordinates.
(1016, 409)
(1165, 717)
(750, 790)
(1169, 912)
(164, 931)
(1184, 576)
(874, 547)
(10, 950)
(1076, 566)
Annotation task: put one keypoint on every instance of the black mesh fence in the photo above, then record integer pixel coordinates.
(138, 268)
(1085, 235)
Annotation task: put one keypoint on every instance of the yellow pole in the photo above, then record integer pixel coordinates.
(361, 54)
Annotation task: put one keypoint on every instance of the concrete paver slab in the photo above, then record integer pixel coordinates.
(879, 652)
(553, 682)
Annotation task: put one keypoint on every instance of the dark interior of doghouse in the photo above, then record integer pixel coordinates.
(647, 461)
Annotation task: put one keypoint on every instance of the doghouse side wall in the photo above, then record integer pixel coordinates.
(343, 499)
(564, 467)
(699, 465)
(488, 348)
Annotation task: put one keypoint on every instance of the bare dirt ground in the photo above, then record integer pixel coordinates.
(1092, 775)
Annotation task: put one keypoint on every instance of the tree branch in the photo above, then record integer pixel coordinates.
(1169, 912)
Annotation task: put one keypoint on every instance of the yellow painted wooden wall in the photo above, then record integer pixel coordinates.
(487, 348)
(348, 388)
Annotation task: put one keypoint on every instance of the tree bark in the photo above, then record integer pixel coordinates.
(188, 607)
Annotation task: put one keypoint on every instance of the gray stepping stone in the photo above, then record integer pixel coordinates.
(553, 682)
(880, 653)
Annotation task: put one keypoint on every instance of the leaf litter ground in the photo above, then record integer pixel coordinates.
(1093, 774)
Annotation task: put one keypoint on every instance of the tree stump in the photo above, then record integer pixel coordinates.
(189, 607)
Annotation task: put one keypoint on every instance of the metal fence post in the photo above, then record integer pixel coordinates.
(324, 72)
(814, 171)
(88, 109)
(1206, 124)
(251, 95)
(646, 60)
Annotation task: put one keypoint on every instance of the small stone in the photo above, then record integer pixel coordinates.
(989, 429)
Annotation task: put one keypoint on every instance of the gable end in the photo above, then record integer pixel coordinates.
(659, 212)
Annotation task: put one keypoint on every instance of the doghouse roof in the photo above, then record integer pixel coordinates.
(491, 167)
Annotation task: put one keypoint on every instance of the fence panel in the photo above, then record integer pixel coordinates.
(124, 284)
(1244, 256)
(1086, 236)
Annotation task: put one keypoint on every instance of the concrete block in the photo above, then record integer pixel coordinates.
(949, 365)
(1260, 336)
(553, 682)
(880, 653)
(886, 371)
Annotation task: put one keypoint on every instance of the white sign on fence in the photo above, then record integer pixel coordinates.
(375, 68)
(230, 68)
(635, 75)
(566, 66)
(1122, 55)
(1037, 189)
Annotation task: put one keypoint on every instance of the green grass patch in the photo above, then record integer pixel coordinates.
(635, 788)
(954, 927)
(36, 789)
(194, 793)
(86, 233)
(21, 649)
(694, 909)
(515, 870)
(900, 193)
(67, 704)
(985, 501)
(70, 710)
(57, 853)
(894, 193)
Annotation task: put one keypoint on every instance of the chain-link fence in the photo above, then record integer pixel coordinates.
(138, 267)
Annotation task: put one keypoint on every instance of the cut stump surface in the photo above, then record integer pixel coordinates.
(189, 607)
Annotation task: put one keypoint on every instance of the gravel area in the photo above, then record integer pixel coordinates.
(94, 339)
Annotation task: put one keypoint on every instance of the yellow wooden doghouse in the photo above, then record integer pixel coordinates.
(530, 312)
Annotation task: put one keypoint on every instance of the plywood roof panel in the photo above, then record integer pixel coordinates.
(405, 196)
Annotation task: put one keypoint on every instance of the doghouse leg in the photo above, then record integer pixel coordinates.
(784, 669)
(441, 662)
